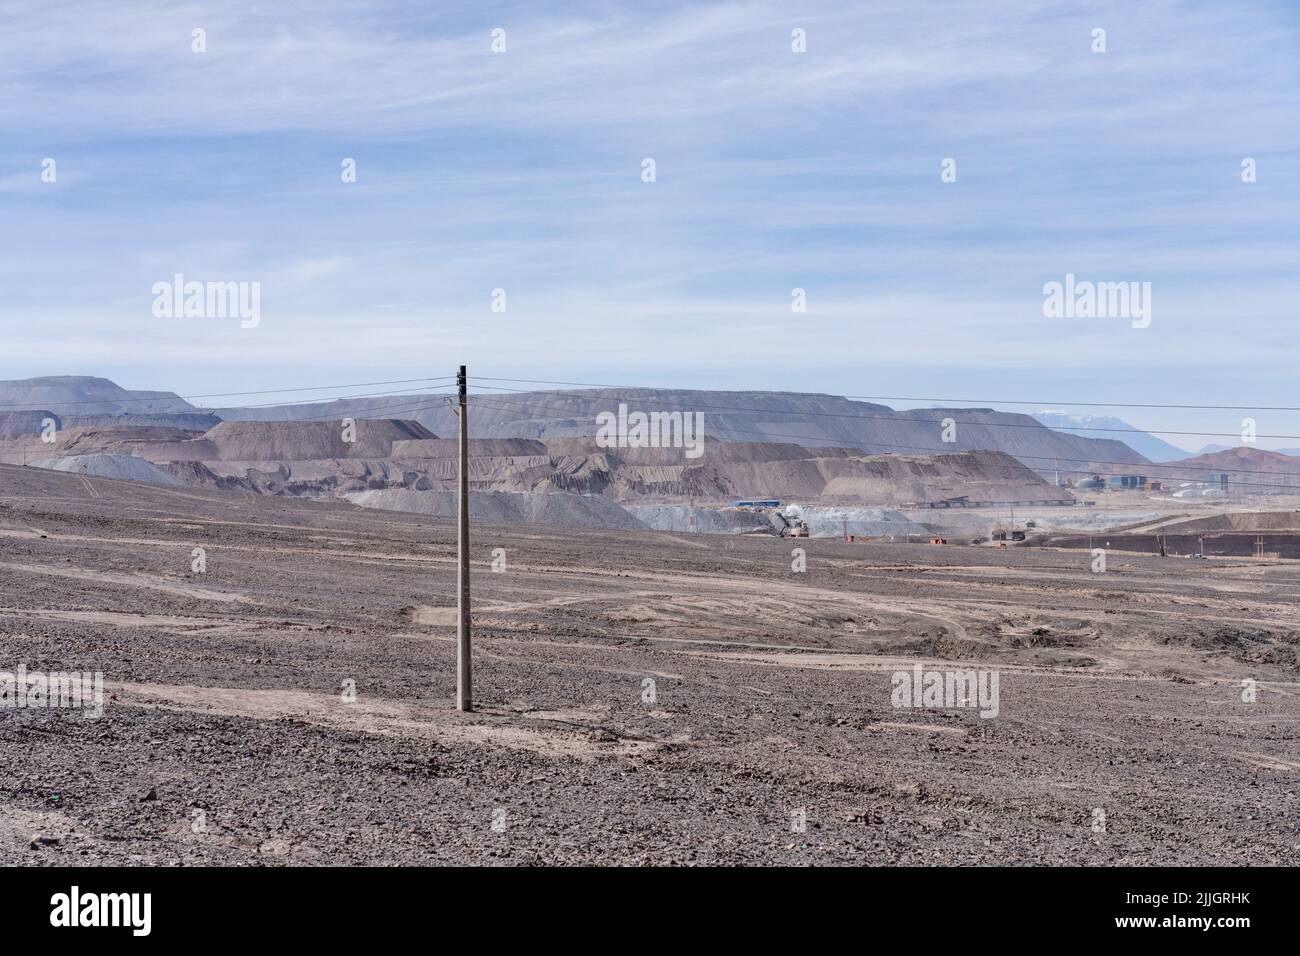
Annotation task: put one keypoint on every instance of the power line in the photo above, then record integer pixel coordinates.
(342, 398)
(318, 388)
(427, 389)
(388, 410)
(904, 398)
(41, 406)
(1012, 401)
(890, 418)
(313, 388)
(901, 417)
(407, 404)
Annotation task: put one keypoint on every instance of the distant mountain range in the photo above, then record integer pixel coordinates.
(1106, 426)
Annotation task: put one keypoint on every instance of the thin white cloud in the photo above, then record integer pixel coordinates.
(521, 171)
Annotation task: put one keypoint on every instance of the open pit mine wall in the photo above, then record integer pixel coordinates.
(733, 469)
(316, 458)
(828, 522)
(808, 420)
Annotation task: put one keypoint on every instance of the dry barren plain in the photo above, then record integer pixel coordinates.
(643, 698)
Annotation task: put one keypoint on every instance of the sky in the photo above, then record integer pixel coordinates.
(774, 170)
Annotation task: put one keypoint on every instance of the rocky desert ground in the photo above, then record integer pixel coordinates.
(642, 697)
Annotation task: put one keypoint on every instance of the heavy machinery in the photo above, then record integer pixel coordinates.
(785, 526)
(788, 526)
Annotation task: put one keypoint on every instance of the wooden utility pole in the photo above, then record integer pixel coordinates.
(464, 669)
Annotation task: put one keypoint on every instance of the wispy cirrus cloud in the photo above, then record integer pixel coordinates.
(776, 170)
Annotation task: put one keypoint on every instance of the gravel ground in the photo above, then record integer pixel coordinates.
(643, 698)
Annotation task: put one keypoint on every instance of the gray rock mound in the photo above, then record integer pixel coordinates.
(311, 441)
(126, 467)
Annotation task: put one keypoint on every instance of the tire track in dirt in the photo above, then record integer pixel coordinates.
(131, 581)
(574, 733)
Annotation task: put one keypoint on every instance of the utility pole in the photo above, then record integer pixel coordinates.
(464, 669)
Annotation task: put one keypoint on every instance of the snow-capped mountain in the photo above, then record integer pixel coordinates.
(1144, 444)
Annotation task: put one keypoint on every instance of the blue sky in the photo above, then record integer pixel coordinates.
(775, 170)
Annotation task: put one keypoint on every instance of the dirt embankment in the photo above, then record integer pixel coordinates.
(17, 424)
(1235, 521)
(311, 441)
(440, 448)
